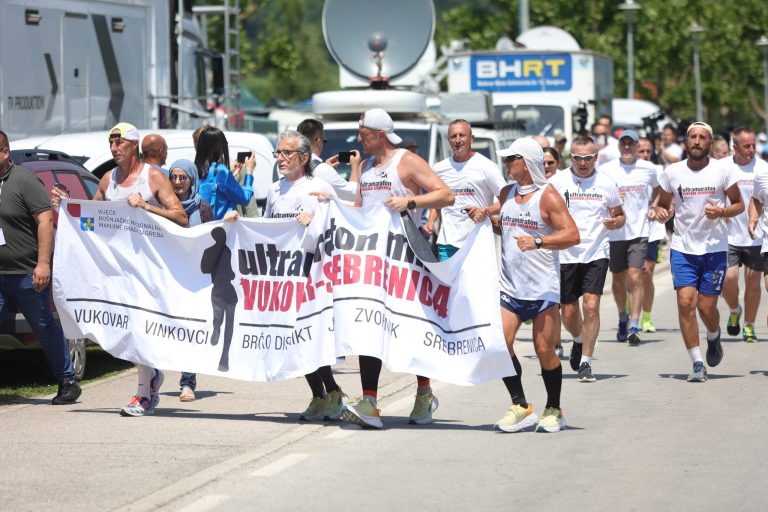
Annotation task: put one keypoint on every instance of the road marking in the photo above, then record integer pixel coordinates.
(281, 464)
(205, 503)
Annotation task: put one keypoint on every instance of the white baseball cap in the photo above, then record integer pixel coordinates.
(378, 119)
(127, 131)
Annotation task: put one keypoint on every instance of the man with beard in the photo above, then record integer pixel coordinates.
(475, 182)
(699, 187)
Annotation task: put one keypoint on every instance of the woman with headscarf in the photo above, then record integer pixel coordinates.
(183, 176)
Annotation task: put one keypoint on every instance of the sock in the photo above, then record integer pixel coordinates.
(695, 354)
(579, 338)
(586, 359)
(646, 316)
(736, 310)
(712, 336)
(748, 324)
(623, 316)
(145, 376)
(423, 386)
(553, 382)
(326, 374)
(633, 322)
(515, 385)
(315, 384)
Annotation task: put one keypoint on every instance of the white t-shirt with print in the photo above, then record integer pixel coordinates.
(636, 183)
(694, 233)
(744, 176)
(657, 230)
(287, 199)
(475, 183)
(589, 201)
(760, 193)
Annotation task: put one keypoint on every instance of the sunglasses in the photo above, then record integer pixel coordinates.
(585, 158)
(181, 178)
(512, 158)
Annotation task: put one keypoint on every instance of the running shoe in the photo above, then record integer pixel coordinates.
(621, 333)
(559, 351)
(138, 406)
(733, 323)
(647, 326)
(517, 418)
(154, 388)
(551, 421)
(336, 402)
(362, 413)
(575, 358)
(714, 351)
(316, 409)
(699, 373)
(585, 373)
(187, 394)
(749, 334)
(423, 407)
(633, 339)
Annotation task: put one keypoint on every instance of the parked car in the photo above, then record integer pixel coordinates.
(53, 168)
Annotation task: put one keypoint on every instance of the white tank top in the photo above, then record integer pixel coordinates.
(117, 192)
(530, 275)
(382, 182)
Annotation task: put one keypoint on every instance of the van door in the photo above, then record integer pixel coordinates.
(75, 72)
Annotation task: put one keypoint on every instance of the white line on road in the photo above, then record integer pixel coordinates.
(281, 464)
(205, 503)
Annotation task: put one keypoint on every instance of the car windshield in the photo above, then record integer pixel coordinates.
(345, 139)
(527, 120)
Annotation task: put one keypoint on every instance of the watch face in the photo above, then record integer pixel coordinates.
(411, 204)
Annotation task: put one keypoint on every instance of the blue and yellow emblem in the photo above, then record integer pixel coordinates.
(87, 224)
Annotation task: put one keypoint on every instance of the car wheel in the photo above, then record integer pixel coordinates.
(77, 353)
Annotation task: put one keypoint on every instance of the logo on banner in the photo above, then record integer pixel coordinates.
(87, 224)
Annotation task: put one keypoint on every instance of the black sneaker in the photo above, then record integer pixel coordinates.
(585, 373)
(69, 392)
(575, 358)
(714, 351)
(633, 338)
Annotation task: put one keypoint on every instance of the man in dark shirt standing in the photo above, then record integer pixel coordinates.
(26, 246)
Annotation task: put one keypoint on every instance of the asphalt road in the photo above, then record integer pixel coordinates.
(640, 438)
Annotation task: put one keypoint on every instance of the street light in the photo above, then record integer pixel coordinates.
(762, 43)
(695, 29)
(630, 7)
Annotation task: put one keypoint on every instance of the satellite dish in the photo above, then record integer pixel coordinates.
(363, 34)
(546, 37)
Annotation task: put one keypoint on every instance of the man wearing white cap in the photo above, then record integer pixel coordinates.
(637, 184)
(534, 225)
(742, 248)
(699, 187)
(394, 176)
(593, 201)
(146, 187)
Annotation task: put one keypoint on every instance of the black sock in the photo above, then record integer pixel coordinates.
(326, 374)
(515, 384)
(553, 382)
(315, 384)
(370, 368)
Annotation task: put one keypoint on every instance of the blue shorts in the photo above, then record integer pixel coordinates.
(445, 251)
(525, 309)
(653, 251)
(704, 272)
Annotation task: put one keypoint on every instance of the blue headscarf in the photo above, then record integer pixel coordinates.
(191, 205)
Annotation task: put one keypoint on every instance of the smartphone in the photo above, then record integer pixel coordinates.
(344, 157)
(242, 155)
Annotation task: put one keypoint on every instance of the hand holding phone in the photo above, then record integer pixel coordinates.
(344, 157)
(242, 155)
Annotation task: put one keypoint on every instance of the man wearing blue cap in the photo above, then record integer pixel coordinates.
(638, 186)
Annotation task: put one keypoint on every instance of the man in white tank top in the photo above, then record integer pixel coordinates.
(535, 225)
(147, 187)
(395, 176)
(700, 187)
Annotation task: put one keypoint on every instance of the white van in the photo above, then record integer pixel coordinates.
(91, 149)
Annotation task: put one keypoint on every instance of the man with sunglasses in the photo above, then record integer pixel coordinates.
(146, 187)
(314, 131)
(700, 187)
(396, 177)
(593, 201)
(638, 185)
(26, 246)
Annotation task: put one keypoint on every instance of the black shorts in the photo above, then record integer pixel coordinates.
(628, 254)
(578, 278)
(748, 256)
(765, 263)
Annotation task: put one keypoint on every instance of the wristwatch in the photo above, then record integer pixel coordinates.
(411, 204)
(538, 241)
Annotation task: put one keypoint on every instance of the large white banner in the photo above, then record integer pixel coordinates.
(266, 299)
